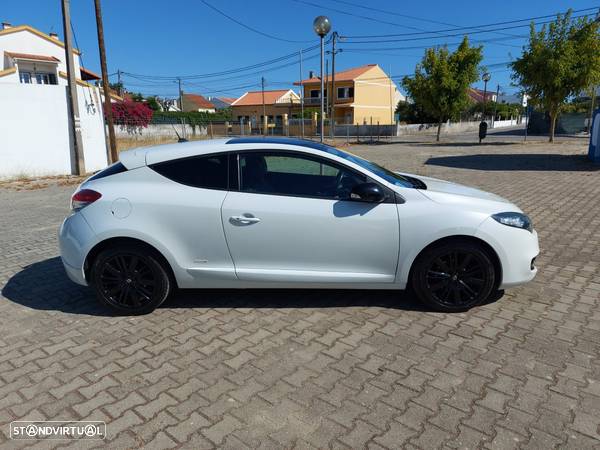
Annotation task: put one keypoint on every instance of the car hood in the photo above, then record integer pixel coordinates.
(446, 192)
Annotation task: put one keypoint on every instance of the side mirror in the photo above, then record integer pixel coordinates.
(367, 192)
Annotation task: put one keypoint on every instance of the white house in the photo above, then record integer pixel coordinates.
(34, 121)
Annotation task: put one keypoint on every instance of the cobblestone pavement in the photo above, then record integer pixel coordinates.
(340, 369)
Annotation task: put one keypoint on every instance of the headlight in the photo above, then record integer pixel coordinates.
(514, 219)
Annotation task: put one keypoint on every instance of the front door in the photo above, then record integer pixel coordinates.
(293, 221)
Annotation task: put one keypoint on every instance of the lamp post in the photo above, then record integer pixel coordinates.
(486, 77)
(483, 124)
(322, 26)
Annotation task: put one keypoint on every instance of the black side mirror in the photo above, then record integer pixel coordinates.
(367, 192)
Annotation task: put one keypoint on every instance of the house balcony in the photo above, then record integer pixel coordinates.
(317, 100)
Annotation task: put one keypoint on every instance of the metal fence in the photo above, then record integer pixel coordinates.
(167, 129)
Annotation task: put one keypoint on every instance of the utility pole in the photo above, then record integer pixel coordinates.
(265, 120)
(119, 83)
(322, 119)
(183, 134)
(496, 104)
(301, 97)
(332, 94)
(77, 158)
(326, 92)
(113, 155)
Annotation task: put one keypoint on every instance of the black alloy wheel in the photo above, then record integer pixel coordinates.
(454, 276)
(130, 280)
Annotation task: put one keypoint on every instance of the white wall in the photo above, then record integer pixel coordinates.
(34, 130)
(25, 41)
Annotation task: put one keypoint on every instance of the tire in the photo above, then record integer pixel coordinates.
(130, 279)
(453, 277)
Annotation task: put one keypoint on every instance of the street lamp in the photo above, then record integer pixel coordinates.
(486, 77)
(483, 124)
(322, 26)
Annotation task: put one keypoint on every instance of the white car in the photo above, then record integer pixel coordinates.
(285, 213)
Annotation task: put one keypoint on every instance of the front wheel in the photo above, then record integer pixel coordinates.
(454, 276)
(130, 280)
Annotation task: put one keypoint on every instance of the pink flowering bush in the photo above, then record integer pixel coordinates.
(131, 114)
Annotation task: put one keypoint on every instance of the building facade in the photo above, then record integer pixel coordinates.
(254, 105)
(362, 95)
(34, 118)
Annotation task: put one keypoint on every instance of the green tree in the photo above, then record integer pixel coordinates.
(137, 97)
(560, 61)
(153, 103)
(439, 86)
(409, 112)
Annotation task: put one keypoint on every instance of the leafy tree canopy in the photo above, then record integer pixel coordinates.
(439, 85)
(560, 61)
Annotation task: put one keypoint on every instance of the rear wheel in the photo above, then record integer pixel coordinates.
(454, 276)
(130, 280)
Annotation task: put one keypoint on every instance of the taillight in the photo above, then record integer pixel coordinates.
(83, 198)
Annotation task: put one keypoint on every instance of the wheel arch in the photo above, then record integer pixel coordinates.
(463, 238)
(122, 240)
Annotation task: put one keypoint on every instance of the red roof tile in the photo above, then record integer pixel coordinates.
(228, 100)
(256, 98)
(88, 74)
(33, 57)
(344, 75)
(196, 101)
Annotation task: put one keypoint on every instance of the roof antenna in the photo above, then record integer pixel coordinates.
(179, 138)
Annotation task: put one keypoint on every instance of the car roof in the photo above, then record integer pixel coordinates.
(151, 155)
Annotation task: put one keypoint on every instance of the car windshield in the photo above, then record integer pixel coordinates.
(386, 174)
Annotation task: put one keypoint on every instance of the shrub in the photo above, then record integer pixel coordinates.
(131, 114)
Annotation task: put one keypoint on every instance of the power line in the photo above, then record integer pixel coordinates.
(248, 27)
(507, 22)
(243, 76)
(420, 47)
(393, 13)
(420, 38)
(225, 72)
(320, 6)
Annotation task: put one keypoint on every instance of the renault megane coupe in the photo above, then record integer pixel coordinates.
(285, 213)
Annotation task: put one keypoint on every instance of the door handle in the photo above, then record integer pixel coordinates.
(244, 220)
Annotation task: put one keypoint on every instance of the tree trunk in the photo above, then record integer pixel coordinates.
(552, 126)
(439, 131)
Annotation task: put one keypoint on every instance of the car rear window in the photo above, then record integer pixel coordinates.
(208, 172)
(113, 169)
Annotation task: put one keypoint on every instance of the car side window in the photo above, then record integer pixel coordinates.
(208, 172)
(285, 173)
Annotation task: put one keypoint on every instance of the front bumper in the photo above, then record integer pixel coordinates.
(75, 238)
(516, 249)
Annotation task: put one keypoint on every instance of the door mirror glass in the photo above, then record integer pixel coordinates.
(367, 192)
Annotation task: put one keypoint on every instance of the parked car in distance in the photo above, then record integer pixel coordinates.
(284, 213)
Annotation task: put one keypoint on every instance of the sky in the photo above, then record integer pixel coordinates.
(154, 41)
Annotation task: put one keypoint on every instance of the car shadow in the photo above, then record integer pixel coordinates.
(516, 161)
(44, 286)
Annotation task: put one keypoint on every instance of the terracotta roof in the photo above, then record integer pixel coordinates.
(33, 57)
(228, 100)
(476, 95)
(344, 75)
(252, 98)
(88, 74)
(195, 101)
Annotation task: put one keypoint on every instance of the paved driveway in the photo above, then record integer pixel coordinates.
(346, 369)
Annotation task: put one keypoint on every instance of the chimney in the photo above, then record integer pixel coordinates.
(53, 35)
(6, 25)
(311, 74)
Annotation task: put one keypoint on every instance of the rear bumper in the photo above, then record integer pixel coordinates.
(516, 249)
(75, 238)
